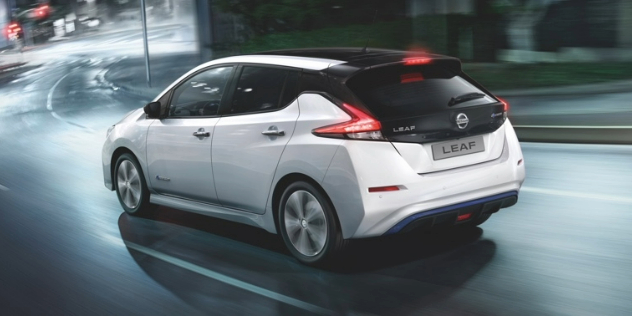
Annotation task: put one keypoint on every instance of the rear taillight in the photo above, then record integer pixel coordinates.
(361, 126)
(505, 107)
(505, 104)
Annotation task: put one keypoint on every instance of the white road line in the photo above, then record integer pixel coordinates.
(3, 188)
(55, 115)
(49, 104)
(603, 197)
(228, 280)
(49, 100)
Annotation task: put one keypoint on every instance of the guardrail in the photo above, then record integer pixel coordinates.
(575, 134)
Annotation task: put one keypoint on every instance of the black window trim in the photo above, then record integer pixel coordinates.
(224, 99)
(224, 110)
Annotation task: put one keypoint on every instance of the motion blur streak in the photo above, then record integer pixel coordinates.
(579, 195)
(228, 280)
(553, 253)
(564, 249)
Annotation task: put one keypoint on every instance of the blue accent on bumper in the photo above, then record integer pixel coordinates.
(399, 226)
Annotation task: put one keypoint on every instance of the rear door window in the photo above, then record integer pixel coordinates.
(408, 91)
(264, 89)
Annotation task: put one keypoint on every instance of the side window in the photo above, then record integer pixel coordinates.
(201, 94)
(262, 88)
(313, 81)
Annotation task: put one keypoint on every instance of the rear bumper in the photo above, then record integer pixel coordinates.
(448, 215)
(358, 166)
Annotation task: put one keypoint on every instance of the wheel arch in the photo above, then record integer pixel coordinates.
(286, 181)
(125, 150)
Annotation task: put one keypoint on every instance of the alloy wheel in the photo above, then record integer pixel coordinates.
(305, 223)
(128, 184)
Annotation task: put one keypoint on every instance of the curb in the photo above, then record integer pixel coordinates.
(143, 92)
(9, 67)
(575, 134)
(140, 93)
(621, 86)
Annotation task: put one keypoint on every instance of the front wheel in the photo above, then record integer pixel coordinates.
(131, 187)
(308, 225)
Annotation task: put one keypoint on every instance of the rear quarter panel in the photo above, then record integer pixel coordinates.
(306, 153)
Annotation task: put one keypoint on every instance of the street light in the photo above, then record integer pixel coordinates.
(144, 18)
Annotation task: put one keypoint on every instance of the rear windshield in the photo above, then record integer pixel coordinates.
(408, 91)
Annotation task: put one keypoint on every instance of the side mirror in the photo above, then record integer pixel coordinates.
(152, 110)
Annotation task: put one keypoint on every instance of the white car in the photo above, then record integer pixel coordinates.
(321, 146)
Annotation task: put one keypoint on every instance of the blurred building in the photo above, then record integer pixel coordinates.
(5, 16)
(525, 30)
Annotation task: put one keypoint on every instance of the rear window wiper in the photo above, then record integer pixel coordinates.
(465, 97)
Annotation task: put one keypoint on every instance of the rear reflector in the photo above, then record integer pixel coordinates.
(384, 189)
(416, 61)
(463, 217)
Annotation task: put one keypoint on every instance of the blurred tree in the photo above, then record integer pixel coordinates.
(267, 16)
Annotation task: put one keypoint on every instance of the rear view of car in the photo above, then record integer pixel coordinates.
(436, 150)
(321, 146)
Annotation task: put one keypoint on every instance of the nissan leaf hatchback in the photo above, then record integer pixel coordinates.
(321, 146)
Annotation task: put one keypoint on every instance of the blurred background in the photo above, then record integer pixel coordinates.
(70, 69)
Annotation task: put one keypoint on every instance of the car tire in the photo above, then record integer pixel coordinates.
(131, 187)
(308, 225)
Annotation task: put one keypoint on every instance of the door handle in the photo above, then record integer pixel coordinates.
(273, 132)
(201, 133)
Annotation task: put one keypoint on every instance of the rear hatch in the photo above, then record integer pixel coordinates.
(432, 113)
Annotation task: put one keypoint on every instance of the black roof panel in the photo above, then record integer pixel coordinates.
(345, 53)
(356, 59)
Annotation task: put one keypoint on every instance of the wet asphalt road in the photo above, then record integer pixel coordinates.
(67, 248)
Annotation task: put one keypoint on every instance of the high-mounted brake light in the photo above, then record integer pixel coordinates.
(361, 126)
(416, 61)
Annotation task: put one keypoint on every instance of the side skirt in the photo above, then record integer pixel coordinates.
(233, 215)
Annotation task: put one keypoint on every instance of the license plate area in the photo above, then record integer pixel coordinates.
(458, 147)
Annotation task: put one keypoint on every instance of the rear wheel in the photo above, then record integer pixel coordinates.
(308, 224)
(131, 187)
